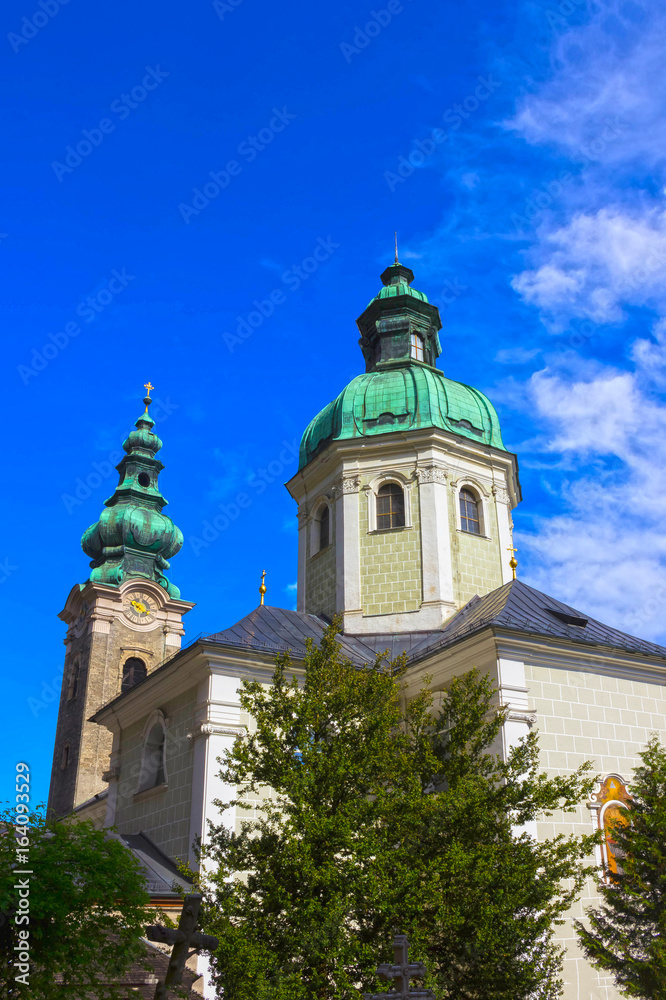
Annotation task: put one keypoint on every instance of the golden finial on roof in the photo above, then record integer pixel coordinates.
(262, 588)
(513, 562)
(148, 386)
(395, 234)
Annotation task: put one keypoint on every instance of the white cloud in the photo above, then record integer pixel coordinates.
(597, 263)
(606, 553)
(607, 74)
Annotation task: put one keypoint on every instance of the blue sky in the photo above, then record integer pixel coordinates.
(166, 167)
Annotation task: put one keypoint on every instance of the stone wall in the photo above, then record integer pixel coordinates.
(101, 655)
(320, 594)
(164, 816)
(608, 720)
(391, 571)
(476, 559)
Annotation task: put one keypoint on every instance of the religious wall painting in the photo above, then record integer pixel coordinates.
(610, 804)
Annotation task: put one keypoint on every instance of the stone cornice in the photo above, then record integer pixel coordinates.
(205, 729)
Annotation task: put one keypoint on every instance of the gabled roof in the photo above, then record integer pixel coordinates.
(276, 630)
(515, 607)
(161, 871)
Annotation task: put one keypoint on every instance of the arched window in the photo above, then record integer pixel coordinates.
(74, 673)
(390, 507)
(324, 528)
(469, 512)
(153, 769)
(134, 670)
(417, 349)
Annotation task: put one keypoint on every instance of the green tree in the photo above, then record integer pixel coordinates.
(627, 931)
(87, 910)
(383, 816)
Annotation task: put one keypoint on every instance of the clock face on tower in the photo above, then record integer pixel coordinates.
(139, 607)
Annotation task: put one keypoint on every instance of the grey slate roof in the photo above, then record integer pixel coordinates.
(276, 630)
(515, 607)
(161, 871)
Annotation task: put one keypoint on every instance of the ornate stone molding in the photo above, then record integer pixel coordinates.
(432, 474)
(210, 729)
(529, 718)
(346, 484)
(501, 495)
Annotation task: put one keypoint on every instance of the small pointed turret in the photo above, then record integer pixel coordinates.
(133, 538)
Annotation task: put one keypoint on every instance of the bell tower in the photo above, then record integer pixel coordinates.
(404, 487)
(122, 622)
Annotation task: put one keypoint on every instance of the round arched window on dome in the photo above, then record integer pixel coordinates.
(470, 519)
(390, 507)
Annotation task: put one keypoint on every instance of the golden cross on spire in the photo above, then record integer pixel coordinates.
(262, 588)
(148, 386)
(513, 562)
(395, 234)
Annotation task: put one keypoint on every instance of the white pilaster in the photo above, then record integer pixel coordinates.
(302, 557)
(435, 538)
(348, 546)
(505, 539)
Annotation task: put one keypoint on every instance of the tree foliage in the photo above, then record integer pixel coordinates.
(87, 910)
(627, 931)
(383, 816)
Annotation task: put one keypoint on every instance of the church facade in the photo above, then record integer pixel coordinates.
(404, 493)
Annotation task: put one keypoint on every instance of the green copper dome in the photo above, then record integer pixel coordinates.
(133, 538)
(402, 399)
(401, 389)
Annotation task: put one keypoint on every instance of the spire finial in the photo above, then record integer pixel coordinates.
(513, 562)
(395, 234)
(148, 386)
(262, 588)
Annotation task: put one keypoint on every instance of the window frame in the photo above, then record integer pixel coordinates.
(480, 498)
(383, 491)
(372, 491)
(151, 770)
(417, 347)
(133, 656)
(315, 527)
(74, 679)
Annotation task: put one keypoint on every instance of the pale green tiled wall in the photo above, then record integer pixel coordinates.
(320, 590)
(476, 561)
(166, 816)
(391, 577)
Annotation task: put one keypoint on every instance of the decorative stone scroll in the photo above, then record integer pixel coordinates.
(210, 729)
(501, 495)
(529, 718)
(346, 484)
(432, 474)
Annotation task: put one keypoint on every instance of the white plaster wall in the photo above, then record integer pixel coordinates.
(586, 715)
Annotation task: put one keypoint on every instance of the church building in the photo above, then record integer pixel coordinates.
(404, 492)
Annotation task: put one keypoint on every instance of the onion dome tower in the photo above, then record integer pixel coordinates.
(122, 623)
(404, 486)
(133, 538)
